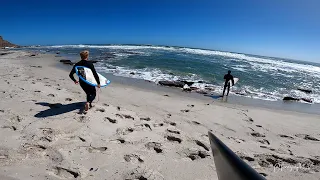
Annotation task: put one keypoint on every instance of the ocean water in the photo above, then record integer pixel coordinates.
(266, 78)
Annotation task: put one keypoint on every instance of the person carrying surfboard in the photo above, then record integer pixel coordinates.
(227, 78)
(88, 89)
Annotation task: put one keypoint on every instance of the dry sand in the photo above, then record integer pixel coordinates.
(134, 133)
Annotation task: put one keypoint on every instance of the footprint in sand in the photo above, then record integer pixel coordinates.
(100, 110)
(307, 137)
(68, 99)
(140, 173)
(196, 154)
(51, 95)
(237, 139)
(185, 110)
(124, 131)
(145, 119)
(201, 144)
(264, 141)
(113, 121)
(92, 149)
(158, 124)
(256, 134)
(66, 173)
(133, 158)
(173, 139)
(82, 119)
(285, 136)
(10, 127)
(155, 146)
(171, 123)
(16, 119)
(173, 131)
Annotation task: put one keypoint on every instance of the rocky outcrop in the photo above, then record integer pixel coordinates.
(172, 83)
(288, 98)
(66, 61)
(308, 91)
(4, 43)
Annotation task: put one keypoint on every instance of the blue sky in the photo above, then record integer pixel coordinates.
(281, 28)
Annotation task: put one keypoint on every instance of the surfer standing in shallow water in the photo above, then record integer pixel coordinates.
(88, 89)
(227, 78)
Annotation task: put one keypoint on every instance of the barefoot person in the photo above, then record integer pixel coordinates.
(88, 89)
(227, 78)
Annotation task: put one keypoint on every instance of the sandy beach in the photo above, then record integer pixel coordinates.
(135, 133)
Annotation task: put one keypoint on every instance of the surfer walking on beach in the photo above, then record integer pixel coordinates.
(88, 89)
(227, 78)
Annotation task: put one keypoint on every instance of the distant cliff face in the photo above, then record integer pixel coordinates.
(4, 43)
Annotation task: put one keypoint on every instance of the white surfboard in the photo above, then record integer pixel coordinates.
(235, 81)
(86, 75)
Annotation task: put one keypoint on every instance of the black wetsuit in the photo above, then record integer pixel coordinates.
(88, 89)
(227, 78)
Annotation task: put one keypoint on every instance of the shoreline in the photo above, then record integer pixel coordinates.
(233, 99)
(134, 132)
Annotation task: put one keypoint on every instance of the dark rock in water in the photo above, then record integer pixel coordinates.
(288, 98)
(172, 83)
(188, 83)
(94, 61)
(243, 94)
(66, 61)
(201, 82)
(171, 73)
(132, 73)
(306, 100)
(58, 53)
(194, 88)
(305, 90)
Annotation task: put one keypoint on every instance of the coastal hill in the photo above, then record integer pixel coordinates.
(4, 43)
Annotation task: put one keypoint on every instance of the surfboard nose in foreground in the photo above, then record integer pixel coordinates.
(228, 165)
